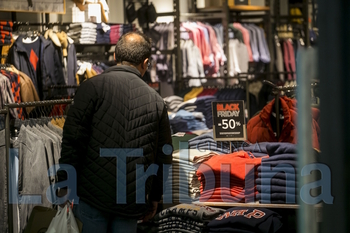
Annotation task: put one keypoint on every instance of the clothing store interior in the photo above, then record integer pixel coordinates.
(246, 84)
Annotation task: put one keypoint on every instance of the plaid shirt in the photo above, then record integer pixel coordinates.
(6, 95)
(15, 87)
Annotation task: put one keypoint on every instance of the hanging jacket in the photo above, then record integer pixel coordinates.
(116, 109)
(51, 72)
(259, 128)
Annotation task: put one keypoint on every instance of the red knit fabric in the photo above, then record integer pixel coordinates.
(235, 166)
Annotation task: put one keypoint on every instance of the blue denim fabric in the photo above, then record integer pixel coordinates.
(95, 220)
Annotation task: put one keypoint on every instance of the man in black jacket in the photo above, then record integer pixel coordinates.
(116, 135)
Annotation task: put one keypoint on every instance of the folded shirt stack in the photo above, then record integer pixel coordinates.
(228, 177)
(199, 104)
(206, 142)
(184, 121)
(173, 101)
(5, 32)
(186, 218)
(118, 30)
(246, 220)
(103, 33)
(183, 184)
(276, 181)
(203, 104)
(83, 33)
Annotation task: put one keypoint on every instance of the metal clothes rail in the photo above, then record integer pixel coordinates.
(7, 142)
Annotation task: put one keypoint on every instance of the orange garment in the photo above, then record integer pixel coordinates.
(235, 166)
(259, 128)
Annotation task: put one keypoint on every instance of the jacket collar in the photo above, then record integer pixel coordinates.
(20, 45)
(124, 68)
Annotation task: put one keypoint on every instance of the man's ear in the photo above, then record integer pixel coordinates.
(145, 63)
(114, 57)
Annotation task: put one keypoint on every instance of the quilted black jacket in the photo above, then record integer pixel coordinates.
(116, 110)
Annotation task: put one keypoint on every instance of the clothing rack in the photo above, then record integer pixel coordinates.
(7, 142)
(49, 89)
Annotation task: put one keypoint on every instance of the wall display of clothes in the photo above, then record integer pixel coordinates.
(162, 65)
(47, 60)
(247, 43)
(285, 53)
(203, 55)
(99, 33)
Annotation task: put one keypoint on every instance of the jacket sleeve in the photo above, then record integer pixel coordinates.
(163, 156)
(12, 57)
(77, 127)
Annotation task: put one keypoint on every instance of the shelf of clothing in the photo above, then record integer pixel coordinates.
(230, 14)
(304, 18)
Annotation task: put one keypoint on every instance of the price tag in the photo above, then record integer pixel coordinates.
(229, 121)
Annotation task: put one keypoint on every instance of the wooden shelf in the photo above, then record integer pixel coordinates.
(234, 8)
(249, 8)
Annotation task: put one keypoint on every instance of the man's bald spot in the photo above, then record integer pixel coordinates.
(133, 37)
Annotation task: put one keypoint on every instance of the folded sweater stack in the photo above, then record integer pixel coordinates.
(83, 33)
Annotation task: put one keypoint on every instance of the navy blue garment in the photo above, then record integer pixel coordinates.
(265, 189)
(102, 37)
(286, 168)
(275, 181)
(182, 219)
(280, 157)
(207, 142)
(281, 197)
(247, 219)
(294, 163)
(51, 70)
(178, 125)
(279, 175)
(281, 148)
(208, 111)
